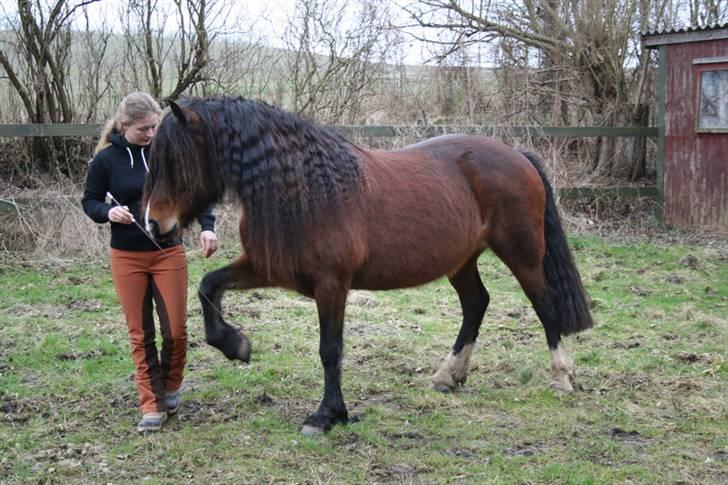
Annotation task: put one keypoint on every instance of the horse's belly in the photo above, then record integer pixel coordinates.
(412, 259)
(396, 276)
(423, 222)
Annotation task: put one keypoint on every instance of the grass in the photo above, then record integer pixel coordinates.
(650, 405)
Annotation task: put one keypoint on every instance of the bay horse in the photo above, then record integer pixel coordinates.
(321, 216)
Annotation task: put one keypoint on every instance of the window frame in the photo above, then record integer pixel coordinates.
(701, 66)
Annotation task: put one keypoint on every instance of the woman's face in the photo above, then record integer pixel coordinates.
(141, 131)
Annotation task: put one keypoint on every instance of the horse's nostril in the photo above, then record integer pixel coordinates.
(153, 228)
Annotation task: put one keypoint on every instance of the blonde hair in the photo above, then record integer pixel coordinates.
(134, 107)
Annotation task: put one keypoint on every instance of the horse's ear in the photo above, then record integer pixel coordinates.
(178, 112)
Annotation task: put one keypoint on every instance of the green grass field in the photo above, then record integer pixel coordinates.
(651, 403)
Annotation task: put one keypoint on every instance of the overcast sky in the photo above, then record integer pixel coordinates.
(266, 18)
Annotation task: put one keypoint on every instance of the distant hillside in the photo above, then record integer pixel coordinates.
(236, 68)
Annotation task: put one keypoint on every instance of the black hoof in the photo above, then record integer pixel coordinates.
(234, 345)
(320, 423)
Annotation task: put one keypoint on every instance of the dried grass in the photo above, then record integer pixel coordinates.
(50, 223)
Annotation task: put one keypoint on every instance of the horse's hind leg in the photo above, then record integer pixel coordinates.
(474, 300)
(237, 275)
(524, 256)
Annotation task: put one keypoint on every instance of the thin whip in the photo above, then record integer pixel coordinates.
(164, 251)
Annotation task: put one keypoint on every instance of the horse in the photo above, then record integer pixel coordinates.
(321, 215)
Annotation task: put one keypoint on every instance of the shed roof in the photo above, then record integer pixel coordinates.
(656, 38)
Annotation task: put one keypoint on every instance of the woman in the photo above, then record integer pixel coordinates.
(141, 272)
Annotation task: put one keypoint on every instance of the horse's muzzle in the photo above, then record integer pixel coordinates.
(154, 231)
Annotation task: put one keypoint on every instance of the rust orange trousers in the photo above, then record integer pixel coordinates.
(154, 279)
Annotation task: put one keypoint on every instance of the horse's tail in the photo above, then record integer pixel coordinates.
(565, 293)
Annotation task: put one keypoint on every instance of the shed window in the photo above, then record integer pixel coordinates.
(713, 98)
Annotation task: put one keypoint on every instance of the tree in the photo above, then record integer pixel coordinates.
(584, 56)
(174, 60)
(337, 55)
(36, 61)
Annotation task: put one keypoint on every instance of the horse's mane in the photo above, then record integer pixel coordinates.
(290, 174)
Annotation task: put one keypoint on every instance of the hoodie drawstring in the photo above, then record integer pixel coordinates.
(144, 159)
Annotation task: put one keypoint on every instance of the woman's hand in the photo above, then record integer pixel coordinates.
(120, 214)
(208, 241)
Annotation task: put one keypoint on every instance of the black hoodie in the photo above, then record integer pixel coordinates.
(120, 170)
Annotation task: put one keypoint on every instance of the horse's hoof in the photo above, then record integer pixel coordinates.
(561, 385)
(308, 430)
(443, 381)
(244, 351)
(322, 422)
(237, 347)
(441, 387)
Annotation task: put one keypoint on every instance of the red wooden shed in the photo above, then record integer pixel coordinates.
(693, 125)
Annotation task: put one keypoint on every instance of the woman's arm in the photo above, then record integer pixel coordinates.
(94, 195)
(208, 238)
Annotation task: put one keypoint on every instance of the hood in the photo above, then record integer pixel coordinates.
(119, 140)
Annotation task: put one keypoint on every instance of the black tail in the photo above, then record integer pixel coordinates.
(566, 297)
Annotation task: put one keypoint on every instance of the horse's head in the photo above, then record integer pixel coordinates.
(182, 180)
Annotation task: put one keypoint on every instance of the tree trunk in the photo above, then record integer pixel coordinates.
(639, 144)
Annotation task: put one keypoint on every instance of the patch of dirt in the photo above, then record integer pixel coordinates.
(362, 299)
(690, 261)
(264, 399)
(627, 436)
(241, 309)
(8, 405)
(78, 280)
(20, 411)
(524, 449)
(84, 305)
(640, 291)
(258, 296)
(211, 411)
(14, 412)
(720, 455)
(400, 473)
(359, 327)
(53, 312)
(470, 454)
(686, 386)
(675, 279)
(368, 396)
(68, 456)
(692, 358)
(127, 401)
(407, 435)
(626, 345)
(78, 355)
(626, 381)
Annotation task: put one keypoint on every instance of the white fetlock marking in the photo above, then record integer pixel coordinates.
(562, 368)
(454, 369)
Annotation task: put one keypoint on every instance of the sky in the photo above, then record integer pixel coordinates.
(266, 18)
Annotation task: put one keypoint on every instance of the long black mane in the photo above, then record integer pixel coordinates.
(288, 173)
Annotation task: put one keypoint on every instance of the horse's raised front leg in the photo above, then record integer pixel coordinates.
(237, 275)
(474, 301)
(331, 303)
